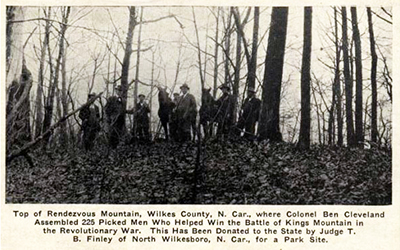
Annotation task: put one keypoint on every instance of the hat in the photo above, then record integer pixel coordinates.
(91, 94)
(142, 95)
(176, 93)
(251, 89)
(184, 86)
(225, 86)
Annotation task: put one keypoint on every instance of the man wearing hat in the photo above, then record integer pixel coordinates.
(90, 116)
(186, 113)
(249, 114)
(225, 108)
(142, 111)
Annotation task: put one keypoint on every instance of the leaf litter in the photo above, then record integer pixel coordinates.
(236, 172)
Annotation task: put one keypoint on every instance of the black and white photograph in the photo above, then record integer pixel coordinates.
(239, 105)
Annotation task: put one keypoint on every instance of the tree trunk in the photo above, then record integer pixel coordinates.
(198, 49)
(252, 67)
(318, 116)
(304, 138)
(14, 44)
(135, 90)
(338, 90)
(237, 70)
(39, 90)
(10, 11)
(151, 90)
(331, 119)
(64, 99)
(205, 57)
(374, 61)
(269, 116)
(348, 82)
(126, 60)
(216, 56)
(227, 48)
(359, 85)
(48, 115)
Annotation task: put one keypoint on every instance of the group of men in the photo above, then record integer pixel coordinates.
(115, 120)
(182, 117)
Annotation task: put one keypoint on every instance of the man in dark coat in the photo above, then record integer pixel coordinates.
(142, 111)
(224, 111)
(90, 116)
(115, 118)
(173, 126)
(186, 113)
(249, 114)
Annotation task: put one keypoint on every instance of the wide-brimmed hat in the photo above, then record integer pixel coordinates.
(251, 89)
(142, 95)
(225, 86)
(176, 93)
(184, 86)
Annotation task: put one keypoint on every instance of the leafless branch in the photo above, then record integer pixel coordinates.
(382, 18)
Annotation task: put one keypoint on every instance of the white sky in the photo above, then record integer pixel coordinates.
(93, 27)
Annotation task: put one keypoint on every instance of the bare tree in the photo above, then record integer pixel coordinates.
(39, 90)
(374, 62)
(337, 87)
(252, 66)
(126, 60)
(48, 115)
(237, 64)
(348, 81)
(305, 122)
(64, 99)
(135, 90)
(198, 49)
(10, 16)
(269, 116)
(227, 43)
(359, 132)
(216, 54)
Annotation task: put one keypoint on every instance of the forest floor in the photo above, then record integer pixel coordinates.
(237, 172)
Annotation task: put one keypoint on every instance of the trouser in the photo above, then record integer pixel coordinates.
(173, 128)
(142, 130)
(115, 136)
(89, 136)
(184, 127)
(194, 128)
(248, 126)
(224, 128)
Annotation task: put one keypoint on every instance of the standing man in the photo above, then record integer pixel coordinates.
(249, 114)
(115, 118)
(142, 111)
(186, 110)
(90, 116)
(224, 108)
(173, 126)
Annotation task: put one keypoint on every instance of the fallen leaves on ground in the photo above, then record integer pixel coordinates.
(234, 172)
